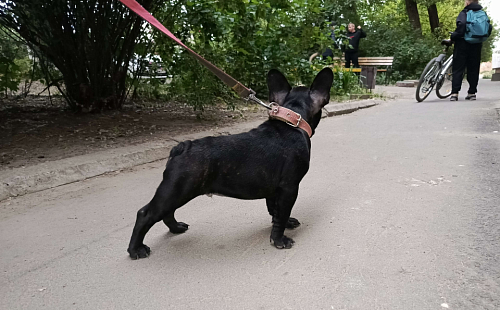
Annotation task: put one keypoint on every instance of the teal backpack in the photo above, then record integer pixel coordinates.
(478, 26)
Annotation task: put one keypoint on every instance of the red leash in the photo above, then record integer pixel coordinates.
(239, 88)
(288, 116)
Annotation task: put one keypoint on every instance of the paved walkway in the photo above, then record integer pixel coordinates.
(400, 210)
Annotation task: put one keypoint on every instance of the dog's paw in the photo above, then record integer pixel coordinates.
(142, 251)
(292, 223)
(179, 228)
(283, 242)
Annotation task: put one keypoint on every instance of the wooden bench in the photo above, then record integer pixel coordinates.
(383, 64)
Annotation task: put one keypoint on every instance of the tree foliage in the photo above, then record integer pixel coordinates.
(245, 39)
(91, 42)
(390, 34)
(14, 62)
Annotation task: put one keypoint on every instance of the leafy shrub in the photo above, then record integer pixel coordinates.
(245, 40)
(14, 63)
(488, 75)
(345, 82)
(411, 52)
(90, 43)
(150, 89)
(194, 84)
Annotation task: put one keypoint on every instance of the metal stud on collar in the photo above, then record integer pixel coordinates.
(274, 107)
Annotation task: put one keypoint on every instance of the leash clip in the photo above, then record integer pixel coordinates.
(255, 99)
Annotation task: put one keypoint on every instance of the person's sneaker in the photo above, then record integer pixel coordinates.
(470, 97)
(454, 98)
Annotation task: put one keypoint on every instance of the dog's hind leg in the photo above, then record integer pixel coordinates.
(172, 224)
(285, 199)
(156, 210)
(145, 220)
(173, 193)
(271, 208)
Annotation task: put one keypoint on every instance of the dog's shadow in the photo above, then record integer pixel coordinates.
(234, 243)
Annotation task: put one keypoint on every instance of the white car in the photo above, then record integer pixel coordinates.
(151, 67)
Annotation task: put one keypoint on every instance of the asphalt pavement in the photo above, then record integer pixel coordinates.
(399, 210)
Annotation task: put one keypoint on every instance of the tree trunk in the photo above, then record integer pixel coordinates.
(433, 17)
(413, 16)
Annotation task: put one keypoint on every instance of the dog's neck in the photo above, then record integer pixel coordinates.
(299, 101)
(290, 117)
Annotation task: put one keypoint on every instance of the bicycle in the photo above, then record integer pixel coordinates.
(438, 74)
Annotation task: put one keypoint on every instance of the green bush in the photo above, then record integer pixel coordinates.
(245, 40)
(194, 84)
(345, 83)
(14, 63)
(411, 52)
(488, 75)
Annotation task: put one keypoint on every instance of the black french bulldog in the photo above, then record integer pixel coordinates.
(267, 162)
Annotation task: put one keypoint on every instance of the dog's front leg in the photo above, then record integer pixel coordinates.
(284, 201)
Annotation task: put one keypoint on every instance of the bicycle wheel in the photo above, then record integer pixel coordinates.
(426, 82)
(443, 87)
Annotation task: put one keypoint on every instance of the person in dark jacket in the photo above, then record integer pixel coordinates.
(329, 52)
(351, 54)
(465, 55)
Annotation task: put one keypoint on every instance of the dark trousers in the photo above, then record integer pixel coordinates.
(327, 53)
(466, 55)
(351, 56)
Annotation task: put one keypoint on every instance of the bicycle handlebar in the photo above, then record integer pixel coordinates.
(447, 43)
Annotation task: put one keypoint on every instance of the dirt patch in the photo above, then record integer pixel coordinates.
(35, 129)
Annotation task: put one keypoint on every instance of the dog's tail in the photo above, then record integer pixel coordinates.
(180, 148)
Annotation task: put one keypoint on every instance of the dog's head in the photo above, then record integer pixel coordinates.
(308, 102)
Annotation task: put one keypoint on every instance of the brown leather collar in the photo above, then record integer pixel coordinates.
(291, 118)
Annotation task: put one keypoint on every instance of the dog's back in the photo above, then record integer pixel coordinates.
(249, 165)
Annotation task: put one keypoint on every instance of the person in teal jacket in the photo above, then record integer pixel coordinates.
(465, 55)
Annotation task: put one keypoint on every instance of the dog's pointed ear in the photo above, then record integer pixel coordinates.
(320, 89)
(278, 86)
